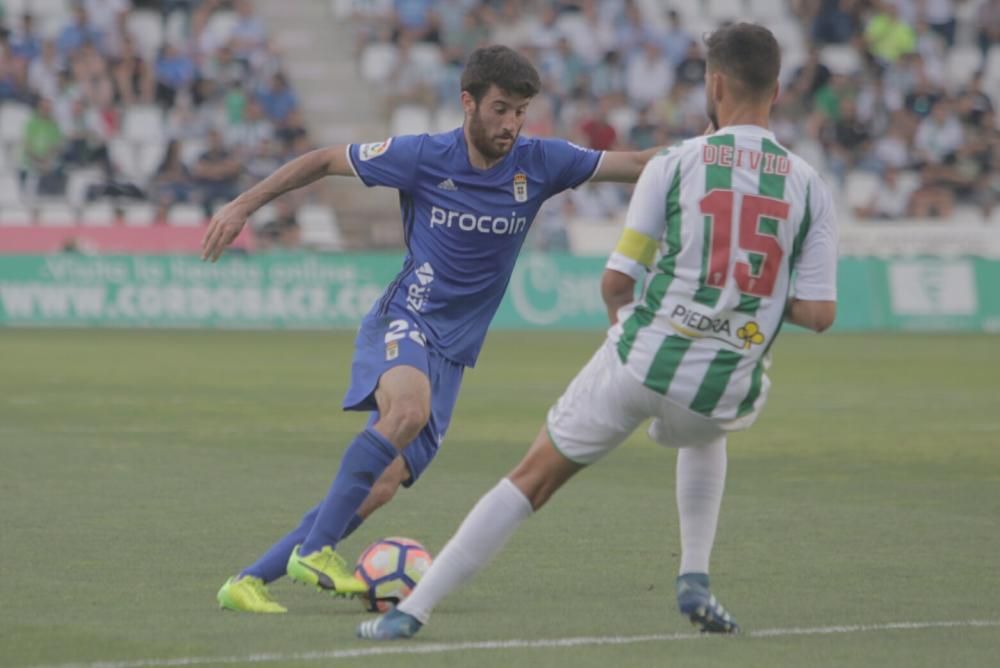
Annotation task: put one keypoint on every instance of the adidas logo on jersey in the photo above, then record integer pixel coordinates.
(425, 273)
(448, 184)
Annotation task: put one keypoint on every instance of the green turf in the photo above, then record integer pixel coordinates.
(140, 469)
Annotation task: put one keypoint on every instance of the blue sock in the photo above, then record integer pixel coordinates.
(272, 564)
(355, 522)
(365, 459)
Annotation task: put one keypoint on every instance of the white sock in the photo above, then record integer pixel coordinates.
(483, 533)
(701, 479)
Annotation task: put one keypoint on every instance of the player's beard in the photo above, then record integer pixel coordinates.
(483, 141)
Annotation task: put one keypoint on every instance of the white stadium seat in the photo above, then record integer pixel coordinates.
(191, 150)
(139, 215)
(143, 124)
(13, 118)
(767, 11)
(377, 62)
(146, 29)
(860, 187)
(841, 58)
(15, 216)
(185, 215)
(100, 214)
(78, 181)
(962, 62)
(56, 214)
(10, 190)
(447, 118)
(622, 119)
(725, 10)
(410, 119)
(318, 227)
(149, 156)
(123, 156)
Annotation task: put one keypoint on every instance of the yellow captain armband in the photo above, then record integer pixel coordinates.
(637, 246)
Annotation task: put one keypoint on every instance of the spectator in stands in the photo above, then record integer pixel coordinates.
(172, 181)
(91, 76)
(247, 35)
(106, 16)
(608, 77)
(649, 75)
(644, 133)
(261, 160)
(411, 81)
(598, 133)
(25, 43)
(185, 120)
(939, 135)
(973, 102)
(988, 24)
(834, 21)
(846, 140)
(41, 170)
(413, 18)
(888, 37)
(216, 173)
(471, 34)
(78, 33)
(12, 74)
(891, 200)
(277, 99)
(281, 231)
(940, 14)
(892, 150)
(292, 129)
(691, 69)
(631, 32)
(43, 72)
(175, 71)
(133, 76)
(676, 41)
(85, 135)
(244, 136)
(920, 99)
(810, 77)
(222, 67)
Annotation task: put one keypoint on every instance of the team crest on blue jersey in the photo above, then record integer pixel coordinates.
(368, 151)
(521, 187)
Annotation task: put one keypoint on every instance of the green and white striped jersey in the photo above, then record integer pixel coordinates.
(716, 227)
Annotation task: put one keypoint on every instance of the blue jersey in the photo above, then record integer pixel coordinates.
(463, 226)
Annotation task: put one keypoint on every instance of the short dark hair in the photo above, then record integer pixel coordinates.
(503, 67)
(749, 54)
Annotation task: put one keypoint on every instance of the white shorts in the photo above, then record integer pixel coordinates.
(605, 403)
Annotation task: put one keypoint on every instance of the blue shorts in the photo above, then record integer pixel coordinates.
(389, 341)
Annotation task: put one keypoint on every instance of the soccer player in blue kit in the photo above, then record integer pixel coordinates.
(467, 199)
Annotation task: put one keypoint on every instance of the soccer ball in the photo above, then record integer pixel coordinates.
(391, 568)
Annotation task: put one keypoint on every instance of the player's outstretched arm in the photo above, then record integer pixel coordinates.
(623, 166)
(230, 219)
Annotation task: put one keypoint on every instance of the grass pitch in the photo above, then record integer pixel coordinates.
(140, 469)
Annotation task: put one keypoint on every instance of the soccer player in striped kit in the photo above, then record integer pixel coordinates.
(717, 227)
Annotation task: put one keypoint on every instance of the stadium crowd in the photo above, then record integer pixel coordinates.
(183, 103)
(889, 97)
(180, 104)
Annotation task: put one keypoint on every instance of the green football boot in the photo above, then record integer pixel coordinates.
(326, 570)
(247, 594)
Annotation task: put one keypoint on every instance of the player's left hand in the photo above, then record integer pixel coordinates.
(225, 226)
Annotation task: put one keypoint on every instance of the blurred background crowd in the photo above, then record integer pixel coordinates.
(151, 111)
